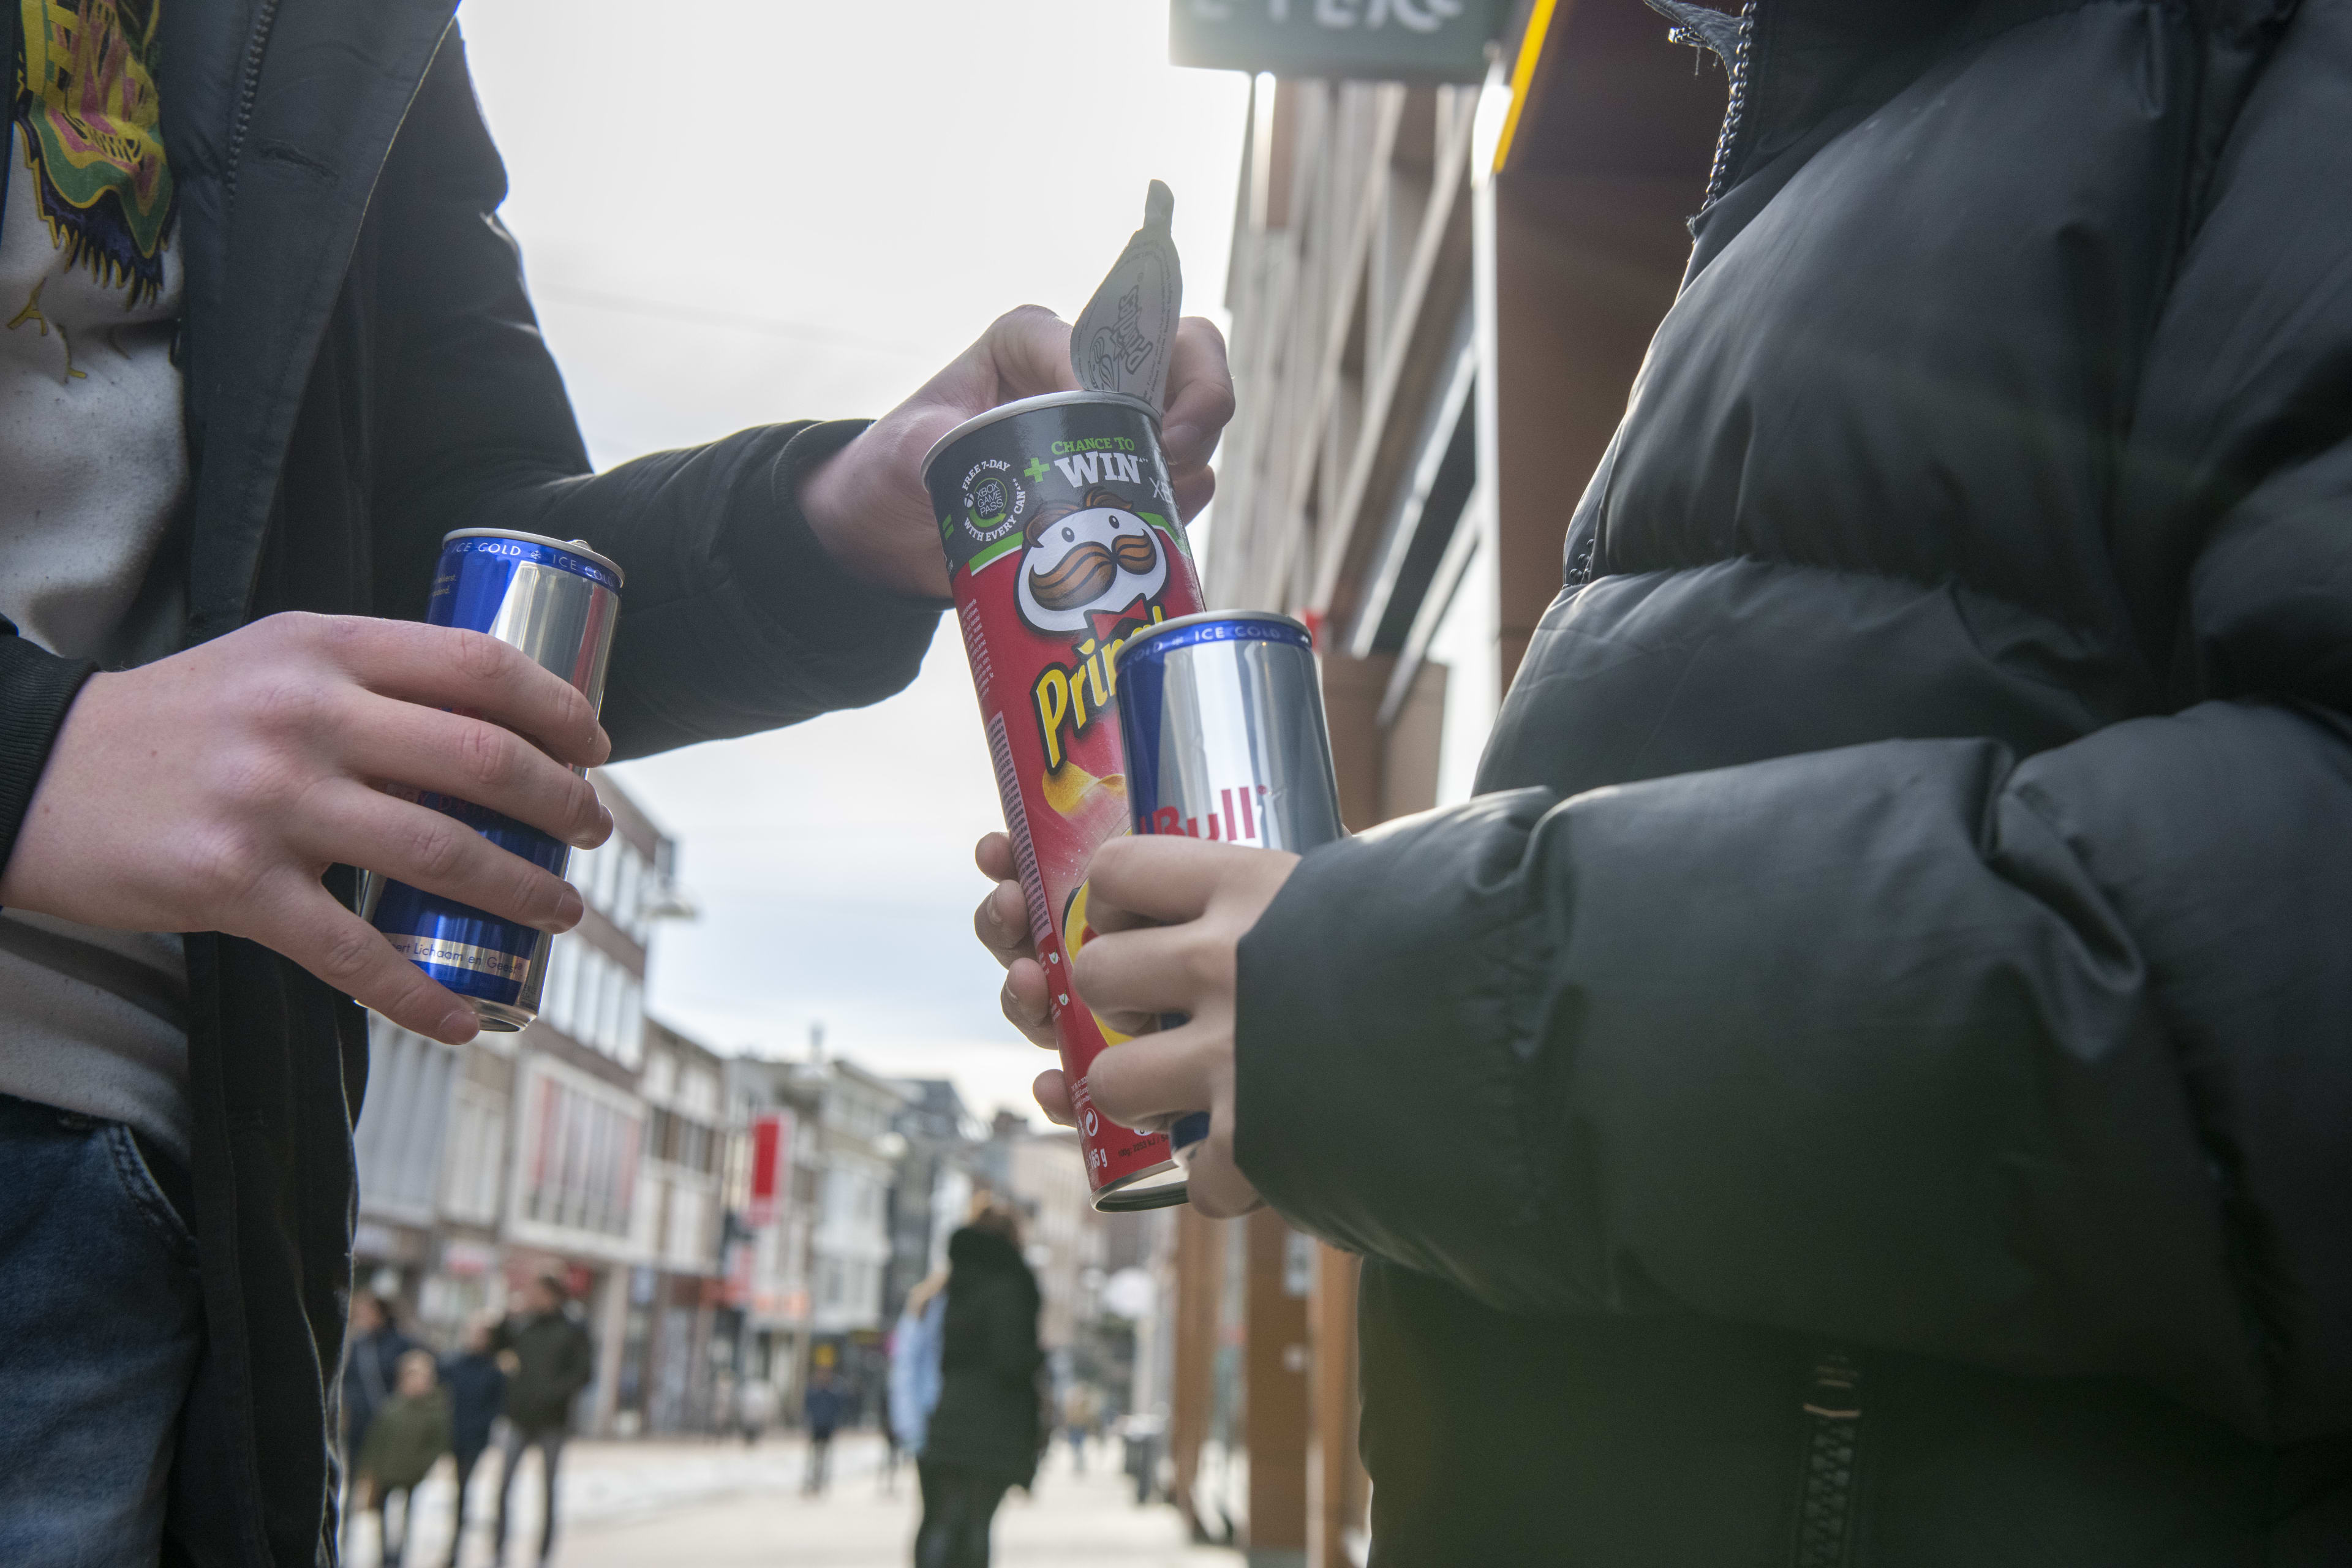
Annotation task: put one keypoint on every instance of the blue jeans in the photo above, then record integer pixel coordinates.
(101, 1324)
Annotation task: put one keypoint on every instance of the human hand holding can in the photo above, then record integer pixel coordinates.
(1225, 740)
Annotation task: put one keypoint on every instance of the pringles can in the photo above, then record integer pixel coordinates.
(1222, 719)
(1062, 543)
(556, 600)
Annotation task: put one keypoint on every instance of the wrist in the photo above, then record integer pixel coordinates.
(828, 501)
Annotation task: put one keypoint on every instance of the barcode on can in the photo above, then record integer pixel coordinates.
(975, 642)
(1016, 822)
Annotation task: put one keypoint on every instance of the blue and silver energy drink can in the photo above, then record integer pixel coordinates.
(1222, 715)
(556, 600)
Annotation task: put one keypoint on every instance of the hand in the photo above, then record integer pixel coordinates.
(866, 502)
(1168, 916)
(210, 791)
(1001, 924)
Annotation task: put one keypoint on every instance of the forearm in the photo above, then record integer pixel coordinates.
(734, 618)
(1886, 1043)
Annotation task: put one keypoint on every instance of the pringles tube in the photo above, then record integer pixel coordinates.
(1063, 543)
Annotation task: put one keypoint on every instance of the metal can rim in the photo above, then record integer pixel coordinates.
(1023, 406)
(1204, 618)
(579, 547)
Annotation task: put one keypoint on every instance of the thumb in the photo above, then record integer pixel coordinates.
(1030, 348)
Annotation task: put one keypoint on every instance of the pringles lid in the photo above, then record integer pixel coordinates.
(1123, 337)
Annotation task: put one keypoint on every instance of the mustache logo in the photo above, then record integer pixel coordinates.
(1087, 573)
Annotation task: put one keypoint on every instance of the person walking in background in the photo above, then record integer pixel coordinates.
(477, 1387)
(1081, 1411)
(982, 1439)
(755, 1409)
(371, 1369)
(914, 1377)
(826, 1406)
(548, 1358)
(404, 1441)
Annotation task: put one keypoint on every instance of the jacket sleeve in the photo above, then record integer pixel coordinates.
(37, 688)
(734, 619)
(2038, 1064)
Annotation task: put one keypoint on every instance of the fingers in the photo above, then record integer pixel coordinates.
(311, 927)
(1052, 1092)
(1199, 397)
(993, 855)
(1024, 1001)
(349, 823)
(1030, 347)
(1148, 1079)
(443, 667)
(1194, 492)
(1138, 975)
(1001, 924)
(1160, 878)
(1214, 1184)
(477, 762)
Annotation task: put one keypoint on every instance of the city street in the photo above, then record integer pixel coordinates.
(701, 1504)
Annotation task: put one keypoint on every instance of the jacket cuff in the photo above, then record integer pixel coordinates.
(37, 687)
(774, 545)
(1383, 1056)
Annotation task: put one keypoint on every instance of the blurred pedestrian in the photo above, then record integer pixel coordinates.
(1081, 1413)
(548, 1358)
(755, 1409)
(825, 1408)
(914, 1373)
(477, 1386)
(406, 1438)
(370, 1368)
(982, 1439)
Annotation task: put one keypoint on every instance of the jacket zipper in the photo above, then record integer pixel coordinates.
(1741, 66)
(249, 92)
(1825, 1533)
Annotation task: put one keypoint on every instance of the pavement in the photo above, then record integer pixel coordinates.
(698, 1503)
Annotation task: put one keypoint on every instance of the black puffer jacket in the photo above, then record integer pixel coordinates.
(986, 1421)
(1870, 1083)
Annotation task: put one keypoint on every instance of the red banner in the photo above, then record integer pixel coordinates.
(771, 1167)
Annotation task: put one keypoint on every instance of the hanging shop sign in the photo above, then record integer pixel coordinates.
(1373, 40)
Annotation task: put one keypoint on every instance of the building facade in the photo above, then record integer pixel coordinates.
(483, 1165)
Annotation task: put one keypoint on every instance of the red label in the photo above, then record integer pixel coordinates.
(1046, 594)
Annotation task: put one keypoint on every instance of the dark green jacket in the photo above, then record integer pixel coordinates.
(555, 1360)
(1868, 1083)
(986, 1420)
(404, 1439)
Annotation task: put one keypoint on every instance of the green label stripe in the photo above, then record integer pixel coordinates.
(1011, 544)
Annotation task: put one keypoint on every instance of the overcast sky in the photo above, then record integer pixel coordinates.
(747, 211)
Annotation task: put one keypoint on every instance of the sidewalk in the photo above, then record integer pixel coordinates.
(694, 1503)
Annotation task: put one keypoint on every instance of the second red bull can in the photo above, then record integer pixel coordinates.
(1221, 716)
(558, 601)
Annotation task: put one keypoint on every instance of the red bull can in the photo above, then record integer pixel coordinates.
(1222, 717)
(557, 600)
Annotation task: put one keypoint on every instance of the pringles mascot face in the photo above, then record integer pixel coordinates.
(1094, 558)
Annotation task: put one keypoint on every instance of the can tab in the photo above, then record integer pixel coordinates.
(1123, 338)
